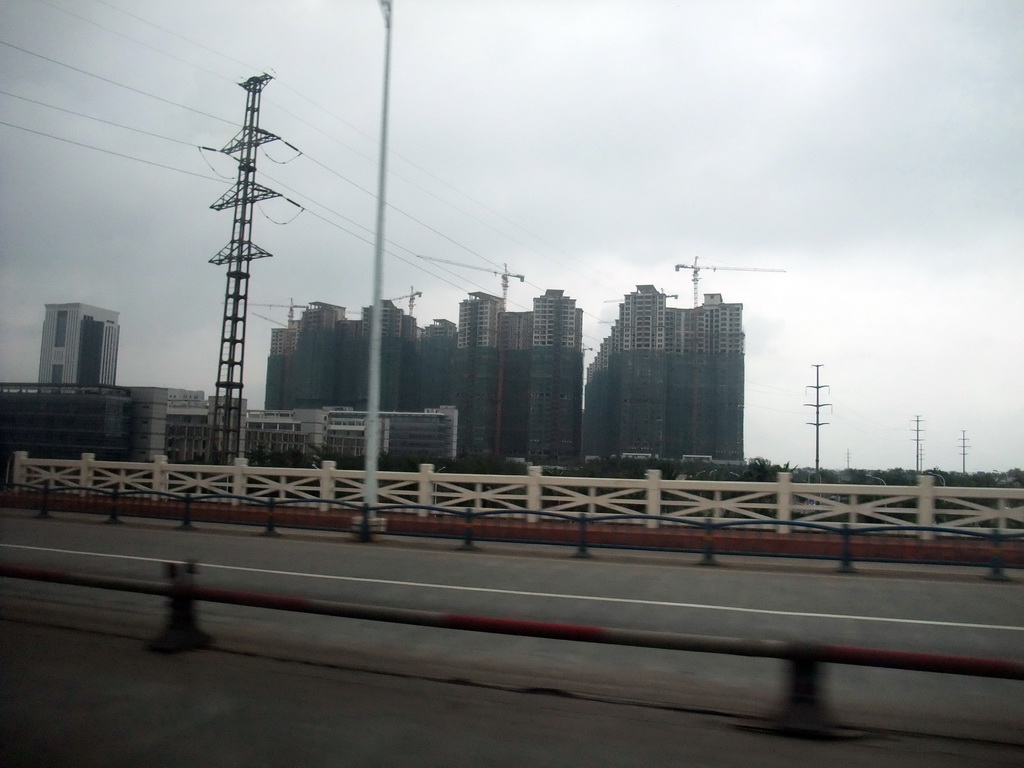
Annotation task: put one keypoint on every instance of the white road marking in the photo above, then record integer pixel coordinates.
(550, 595)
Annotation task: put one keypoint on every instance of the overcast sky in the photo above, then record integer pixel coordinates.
(874, 150)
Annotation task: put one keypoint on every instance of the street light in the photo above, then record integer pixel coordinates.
(376, 325)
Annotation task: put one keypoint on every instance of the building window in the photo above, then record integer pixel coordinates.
(61, 332)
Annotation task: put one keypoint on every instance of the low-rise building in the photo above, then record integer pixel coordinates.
(64, 421)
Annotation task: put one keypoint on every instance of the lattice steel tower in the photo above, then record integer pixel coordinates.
(237, 254)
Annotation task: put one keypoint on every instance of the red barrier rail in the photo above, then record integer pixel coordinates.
(804, 713)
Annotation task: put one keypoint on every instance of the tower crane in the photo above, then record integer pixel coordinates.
(697, 268)
(291, 306)
(504, 274)
(411, 296)
(269, 319)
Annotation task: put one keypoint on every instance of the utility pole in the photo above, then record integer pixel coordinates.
(919, 443)
(373, 425)
(237, 254)
(963, 451)
(817, 405)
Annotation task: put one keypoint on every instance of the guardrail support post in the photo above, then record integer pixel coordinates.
(44, 509)
(804, 713)
(271, 530)
(467, 533)
(996, 572)
(364, 525)
(846, 559)
(709, 543)
(113, 508)
(186, 514)
(581, 542)
(182, 633)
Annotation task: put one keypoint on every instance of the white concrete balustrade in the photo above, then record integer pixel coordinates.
(652, 497)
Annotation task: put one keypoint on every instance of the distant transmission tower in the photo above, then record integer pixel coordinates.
(919, 442)
(817, 405)
(227, 409)
(964, 446)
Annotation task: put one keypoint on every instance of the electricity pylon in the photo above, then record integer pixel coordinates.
(817, 405)
(237, 254)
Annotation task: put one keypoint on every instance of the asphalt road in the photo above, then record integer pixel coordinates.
(928, 610)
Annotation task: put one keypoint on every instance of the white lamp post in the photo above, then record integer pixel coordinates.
(376, 327)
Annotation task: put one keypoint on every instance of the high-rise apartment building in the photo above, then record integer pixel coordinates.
(515, 378)
(79, 345)
(476, 374)
(556, 379)
(437, 345)
(519, 378)
(322, 360)
(668, 382)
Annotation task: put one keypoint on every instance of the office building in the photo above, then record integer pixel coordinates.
(64, 421)
(79, 345)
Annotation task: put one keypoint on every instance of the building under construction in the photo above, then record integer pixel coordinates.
(668, 382)
(322, 360)
(516, 378)
(519, 378)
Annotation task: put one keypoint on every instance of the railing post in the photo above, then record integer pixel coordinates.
(534, 480)
(271, 530)
(425, 488)
(364, 525)
(159, 474)
(846, 558)
(996, 572)
(182, 633)
(804, 713)
(784, 501)
(85, 470)
(18, 475)
(326, 483)
(113, 507)
(581, 542)
(926, 504)
(186, 514)
(467, 531)
(709, 543)
(44, 510)
(653, 495)
(239, 481)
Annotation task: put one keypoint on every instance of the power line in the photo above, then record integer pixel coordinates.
(98, 119)
(113, 82)
(326, 111)
(436, 231)
(248, 67)
(108, 151)
(132, 39)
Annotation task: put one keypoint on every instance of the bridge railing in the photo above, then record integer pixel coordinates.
(653, 498)
(804, 711)
(988, 547)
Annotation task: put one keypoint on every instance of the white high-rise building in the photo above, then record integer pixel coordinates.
(79, 345)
